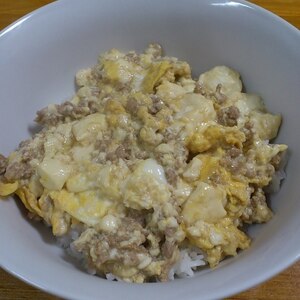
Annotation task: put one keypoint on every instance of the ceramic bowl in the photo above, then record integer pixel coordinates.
(39, 56)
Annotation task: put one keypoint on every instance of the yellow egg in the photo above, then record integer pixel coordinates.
(88, 207)
(8, 188)
(205, 203)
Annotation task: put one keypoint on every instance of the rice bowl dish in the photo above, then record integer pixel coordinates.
(44, 50)
(147, 173)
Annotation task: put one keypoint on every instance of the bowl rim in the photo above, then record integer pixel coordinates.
(55, 290)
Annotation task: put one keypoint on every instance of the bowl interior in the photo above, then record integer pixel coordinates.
(40, 55)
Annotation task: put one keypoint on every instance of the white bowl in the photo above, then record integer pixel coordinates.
(39, 56)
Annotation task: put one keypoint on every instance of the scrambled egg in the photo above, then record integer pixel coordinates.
(145, 161)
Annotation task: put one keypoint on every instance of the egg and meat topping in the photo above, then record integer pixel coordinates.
(147, 160)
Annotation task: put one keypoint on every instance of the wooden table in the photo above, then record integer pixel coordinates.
(284, 286)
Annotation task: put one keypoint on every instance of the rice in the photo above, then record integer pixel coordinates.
(72, 235)
(274, 185)
(190, 260)
(66, 242)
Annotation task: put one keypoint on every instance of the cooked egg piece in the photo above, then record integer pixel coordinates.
(228, 78)
(8, 188)
(194, 111)
(53, 173)
(152, 167)
(146, 186)
(205, 203)
(109, 223)
(88, 207)
(266, 125)
(89, 126)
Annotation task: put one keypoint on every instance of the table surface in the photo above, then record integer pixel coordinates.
(284, 286)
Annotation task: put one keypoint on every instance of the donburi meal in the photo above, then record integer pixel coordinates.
(147, 173)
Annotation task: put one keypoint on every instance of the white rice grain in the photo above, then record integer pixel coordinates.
(189, 260)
